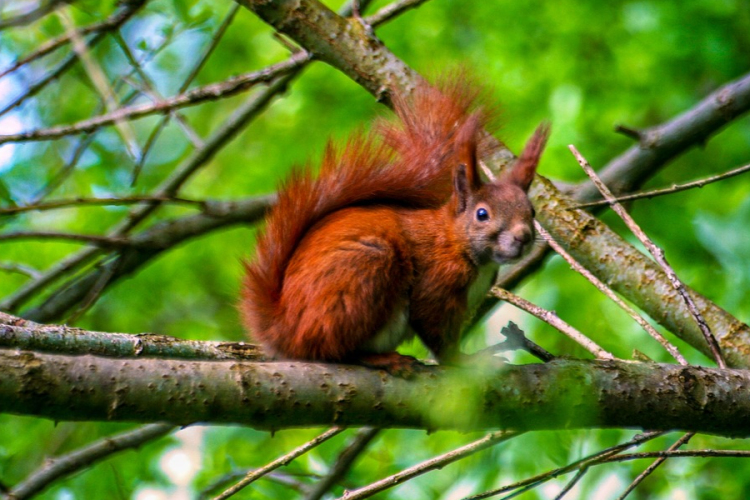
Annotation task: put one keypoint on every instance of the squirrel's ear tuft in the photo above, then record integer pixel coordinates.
(461, 190)
(466, 149)
(524, 169)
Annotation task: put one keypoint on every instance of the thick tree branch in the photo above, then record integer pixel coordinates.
(556, 395)
(664, 142)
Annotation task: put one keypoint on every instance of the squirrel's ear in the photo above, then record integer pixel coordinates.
(461, 190)
(466, 148)
(524, 169)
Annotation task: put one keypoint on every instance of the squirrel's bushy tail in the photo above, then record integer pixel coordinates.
(404, 164)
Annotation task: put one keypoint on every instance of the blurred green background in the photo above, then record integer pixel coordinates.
(584, 65)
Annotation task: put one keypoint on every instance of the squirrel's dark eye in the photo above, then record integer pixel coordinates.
(482, 214)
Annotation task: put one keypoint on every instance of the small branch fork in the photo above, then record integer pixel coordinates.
(658, 255)
(554, 320)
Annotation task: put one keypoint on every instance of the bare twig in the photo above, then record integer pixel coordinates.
(679, 454)
(552, 319)
(104, 279)
(41, 9)
(676, 188)
(392, 10)
(569, 486)
(283, 460)
(39, 85)
(344, 462)
(434, 463)
(14, 267)
(609, 293)
(213, 91)
(85, 457)
(111, 23)
(113, 201)
(584, 462)
(651, 468)
(127, 10)
(149, 89)
(287, 479)
(85, 141)
(101, 85)
(658, 255)
(101, 241)
(514, 340)
(629, 132)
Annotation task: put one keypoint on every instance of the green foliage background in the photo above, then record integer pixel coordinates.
(584, 65)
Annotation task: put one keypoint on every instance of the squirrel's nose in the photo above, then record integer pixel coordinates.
(522, 238)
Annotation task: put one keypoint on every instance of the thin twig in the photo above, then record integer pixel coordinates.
(101, 241)
(101, 84)
(95, 291)
(552, 319)
(85, 457)
(434, 463)
(112, 22)
(85, 141)
(392, 10)
(514, 340)
(569, 486)
(82, 202)
(41, 9)
(287, 479)
(283, 460)
(609, 293)
(679, 454)
(344, 462)
(213, 91)
(149, 89)
(676, 188)
(14, 267)
(36, 87)
(587, 461)
(658, 255)
(128, 9)
(651, 468)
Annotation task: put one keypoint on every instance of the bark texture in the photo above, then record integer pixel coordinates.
(557, 395)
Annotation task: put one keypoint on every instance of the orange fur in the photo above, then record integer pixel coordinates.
(386, 241)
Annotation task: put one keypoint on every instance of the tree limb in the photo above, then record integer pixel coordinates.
(560, 394)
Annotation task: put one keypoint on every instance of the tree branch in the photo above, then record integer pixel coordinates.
(23, 334)
(556, 395)
(66, 465)
(666, 141)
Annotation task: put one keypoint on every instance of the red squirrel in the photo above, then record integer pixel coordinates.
(388, 240)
